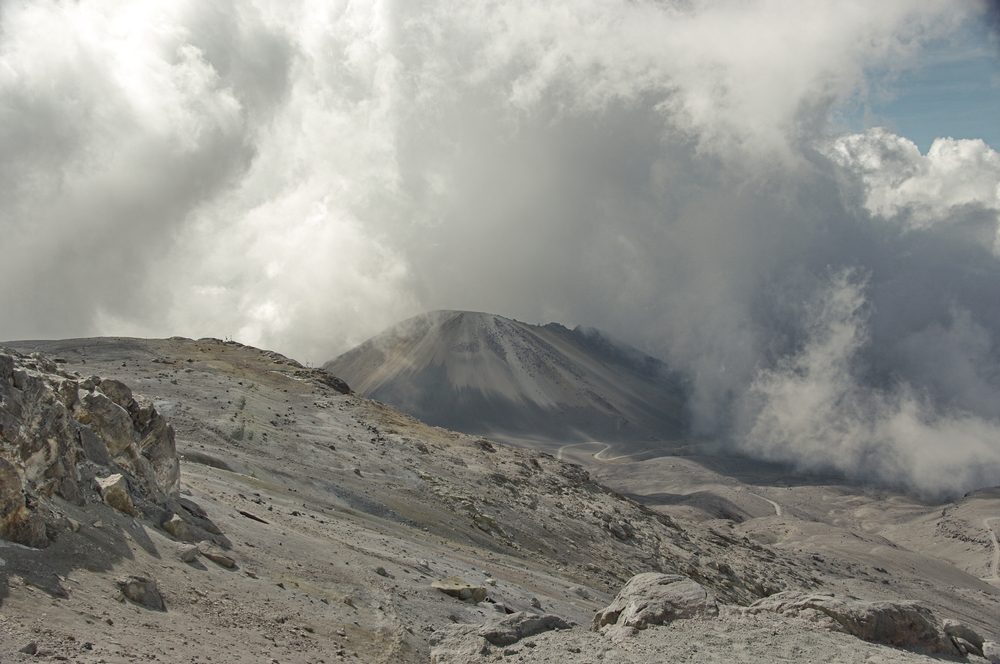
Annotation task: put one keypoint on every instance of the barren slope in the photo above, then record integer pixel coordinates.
(341, 512)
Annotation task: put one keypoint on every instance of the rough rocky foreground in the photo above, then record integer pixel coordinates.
(657, 615)
(310, 525)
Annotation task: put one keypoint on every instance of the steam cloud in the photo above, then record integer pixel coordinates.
(300, 175)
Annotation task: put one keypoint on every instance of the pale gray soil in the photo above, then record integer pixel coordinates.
(365, 507)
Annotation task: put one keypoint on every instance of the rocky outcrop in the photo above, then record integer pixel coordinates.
(907, 625)
(86, 440)
(653, 599)
(460, 644)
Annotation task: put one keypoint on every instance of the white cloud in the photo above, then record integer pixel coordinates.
(813, 410)
(299, 175)
(955, 180)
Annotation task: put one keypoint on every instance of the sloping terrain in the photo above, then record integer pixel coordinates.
(340, 513)
(334, 516)
(491, 375)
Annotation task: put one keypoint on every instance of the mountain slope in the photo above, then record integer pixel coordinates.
(487, 374)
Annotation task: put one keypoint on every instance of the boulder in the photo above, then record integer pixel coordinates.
(460, 644)
(460, 588)
(907, 625)
(516, 626)
(142, 591)
(114, 490)
(654, 599)
(964, 637)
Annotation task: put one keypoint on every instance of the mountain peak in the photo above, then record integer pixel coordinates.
(485, 373)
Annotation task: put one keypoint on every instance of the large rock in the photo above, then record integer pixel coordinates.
(461, 589)
(142, 591)
(654, 599)
(461, 644)
(906, 625)
(60, 432)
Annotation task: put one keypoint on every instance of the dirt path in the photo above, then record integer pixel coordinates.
(778, 511)
(600, 455)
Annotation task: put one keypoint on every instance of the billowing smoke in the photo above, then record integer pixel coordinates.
(300, 175)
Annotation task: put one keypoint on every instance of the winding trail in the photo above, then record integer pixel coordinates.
(995, 567)
(601, 455)
(778, 510)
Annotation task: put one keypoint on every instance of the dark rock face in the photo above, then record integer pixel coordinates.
(62, 435)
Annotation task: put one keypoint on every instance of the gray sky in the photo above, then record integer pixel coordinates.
(703, 179)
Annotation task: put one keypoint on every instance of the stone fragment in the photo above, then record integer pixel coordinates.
(516, 626)
(189, 554)
(213, 553)
(179, 528)
(114, 490)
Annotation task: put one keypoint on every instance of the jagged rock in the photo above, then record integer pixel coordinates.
(907, 625)
(653, 599)
(460, 588)
(143, 591)
(179, 528)
(114, 490)
(460, 644)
